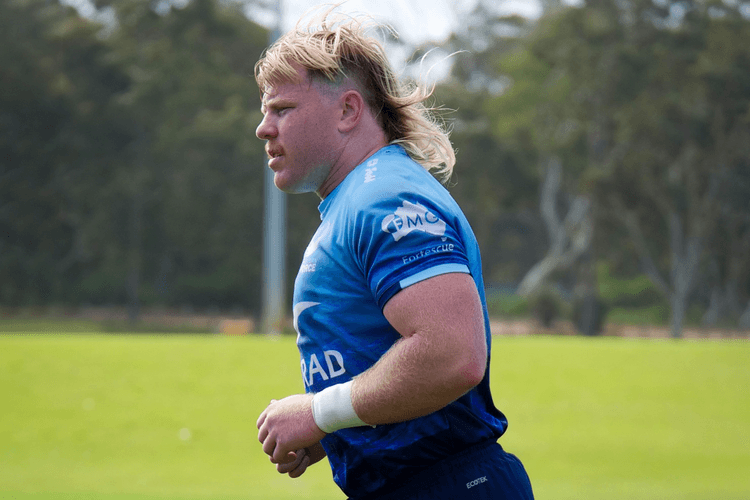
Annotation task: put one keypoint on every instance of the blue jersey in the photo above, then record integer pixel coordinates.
(388, 225)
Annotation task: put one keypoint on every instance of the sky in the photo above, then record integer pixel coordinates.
(415, 22)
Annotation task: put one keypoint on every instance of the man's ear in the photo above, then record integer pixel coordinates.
(352, 107)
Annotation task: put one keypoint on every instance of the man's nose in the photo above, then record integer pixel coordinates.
(266, 129)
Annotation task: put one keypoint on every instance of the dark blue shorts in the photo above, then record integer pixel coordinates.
(484, 471)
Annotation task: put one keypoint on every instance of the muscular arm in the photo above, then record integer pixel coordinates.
(442, 353)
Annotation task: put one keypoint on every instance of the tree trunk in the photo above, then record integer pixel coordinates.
(715, 308)
(679, 310)
(569, 238)
(134, 259)
(588, 309)
(686, 253)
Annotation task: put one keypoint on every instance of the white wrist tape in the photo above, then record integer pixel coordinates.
(332, 408)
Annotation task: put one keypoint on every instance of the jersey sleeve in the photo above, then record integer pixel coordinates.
(404, 239)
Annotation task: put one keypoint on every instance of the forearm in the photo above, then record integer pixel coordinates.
(415, 378)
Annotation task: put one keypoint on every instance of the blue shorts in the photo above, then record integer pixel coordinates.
(485, 471)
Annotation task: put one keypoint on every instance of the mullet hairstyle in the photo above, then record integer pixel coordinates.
(335, 47)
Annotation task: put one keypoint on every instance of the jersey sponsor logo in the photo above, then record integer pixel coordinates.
(333, 367)
(334, 361)
(445, 247)
(476, 482)
(370, 172)
(412, 217)
(307, 267)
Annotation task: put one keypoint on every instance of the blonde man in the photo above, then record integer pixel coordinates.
(389, 301)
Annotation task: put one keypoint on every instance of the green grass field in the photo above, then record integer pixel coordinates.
(138, 417)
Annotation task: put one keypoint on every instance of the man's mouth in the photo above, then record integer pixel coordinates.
(273, 152)
(273, 156)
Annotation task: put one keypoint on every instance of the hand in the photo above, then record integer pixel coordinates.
(298, 466)
(303, 459)
(287, 426)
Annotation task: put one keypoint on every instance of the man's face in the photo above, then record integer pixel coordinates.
(300, 129)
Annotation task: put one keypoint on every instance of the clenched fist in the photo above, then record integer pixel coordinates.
(287, 426)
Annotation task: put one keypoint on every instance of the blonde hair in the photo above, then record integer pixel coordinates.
(334, 47)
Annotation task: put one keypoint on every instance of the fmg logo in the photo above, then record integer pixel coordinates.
(412, 217)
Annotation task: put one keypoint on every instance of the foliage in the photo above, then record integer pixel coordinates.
(507, 305)
(119, 417)
(661, 141)
(57, 126)
(652, 315)
(646, 103)
(627, 292)
(130, 156)
(129, 170)
(492, 180)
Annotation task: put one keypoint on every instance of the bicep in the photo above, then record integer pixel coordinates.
(447, 307)
(442, 353)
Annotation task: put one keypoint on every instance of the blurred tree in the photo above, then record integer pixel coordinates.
(130, 168)
(57, 132)
(641, 107)
(492, 180)
(502, 90)
(193, 187)
(657, 118)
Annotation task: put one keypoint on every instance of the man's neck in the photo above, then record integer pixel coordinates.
(342, 169)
